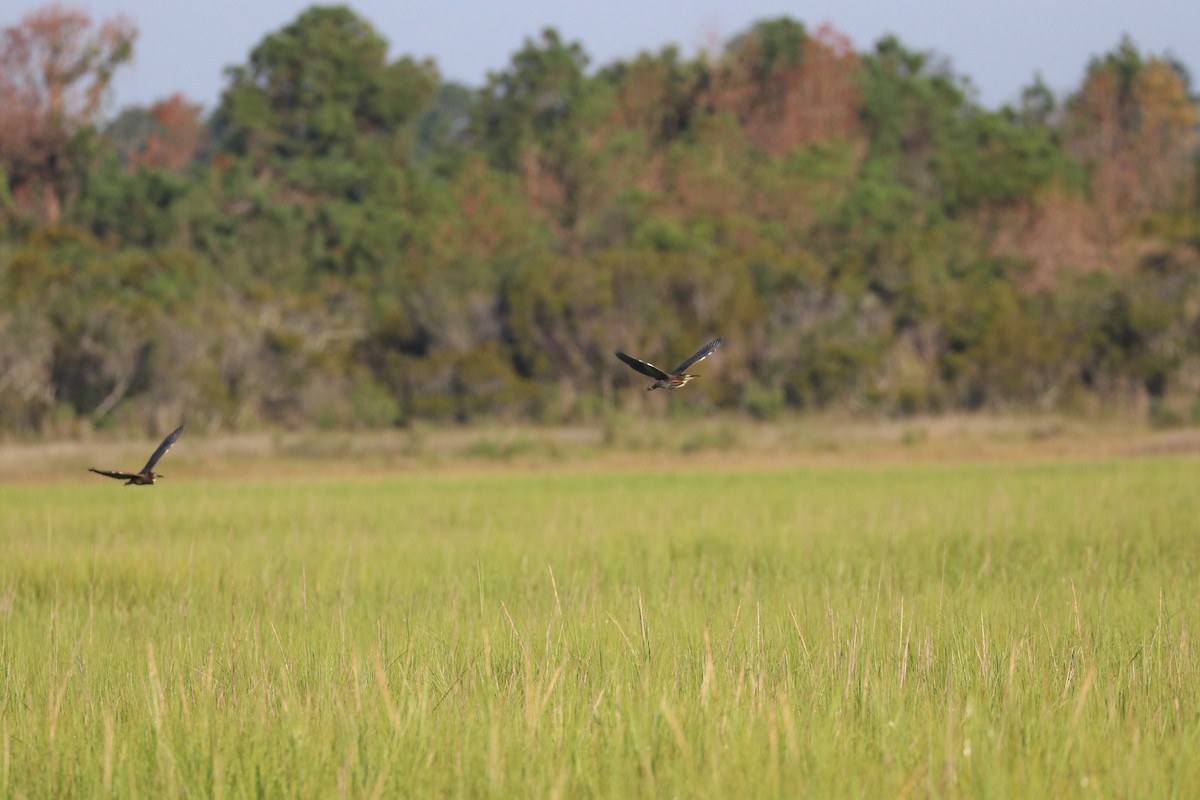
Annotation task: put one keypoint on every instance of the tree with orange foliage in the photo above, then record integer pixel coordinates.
(175, 138)
(1133, 127)
(56, 68)
(788, 87)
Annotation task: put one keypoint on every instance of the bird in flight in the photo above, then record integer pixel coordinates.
(676, 378)
(147, 476)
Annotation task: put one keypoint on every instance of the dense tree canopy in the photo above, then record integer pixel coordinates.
(347, 240)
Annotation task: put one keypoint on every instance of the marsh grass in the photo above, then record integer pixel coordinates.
(1005, 630)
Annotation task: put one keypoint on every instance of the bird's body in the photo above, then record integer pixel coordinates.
(130, 478)
(676, 378)
(147, 475)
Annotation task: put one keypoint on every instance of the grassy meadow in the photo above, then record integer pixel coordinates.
(643, 627)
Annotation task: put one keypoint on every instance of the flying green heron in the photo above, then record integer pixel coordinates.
(676, 378)
(147, 476)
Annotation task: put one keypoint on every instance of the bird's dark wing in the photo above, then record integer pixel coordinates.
(172, 437)
(121, 476)
(700, 355)
(641, 366)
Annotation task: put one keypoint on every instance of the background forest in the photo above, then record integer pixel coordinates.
(350, 241)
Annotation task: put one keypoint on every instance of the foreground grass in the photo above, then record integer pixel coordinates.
(949, 630)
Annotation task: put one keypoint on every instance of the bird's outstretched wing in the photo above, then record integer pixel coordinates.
(646, 369)
(121, 476)
(172, 437)
(700, 355)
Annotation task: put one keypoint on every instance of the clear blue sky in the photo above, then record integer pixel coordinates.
(184, 46)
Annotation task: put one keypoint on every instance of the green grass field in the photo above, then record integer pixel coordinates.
(1015, 628)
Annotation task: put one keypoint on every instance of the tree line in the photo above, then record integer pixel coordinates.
(348, 240)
